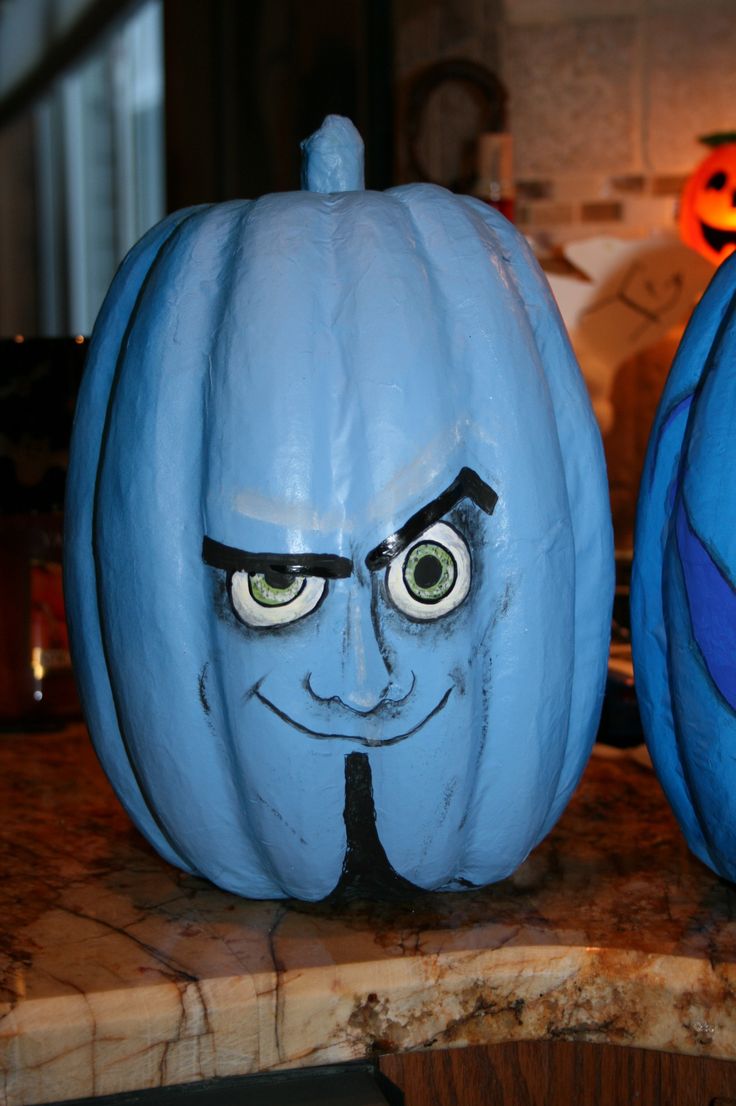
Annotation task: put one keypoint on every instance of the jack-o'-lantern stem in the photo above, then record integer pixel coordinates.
(333, 158)
(718, 138)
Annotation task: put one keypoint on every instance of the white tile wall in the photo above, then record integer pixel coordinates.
(598, 90)
(572, 95)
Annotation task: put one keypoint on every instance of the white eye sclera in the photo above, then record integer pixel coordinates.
(432, 576)
(428, 580)
(274, 599)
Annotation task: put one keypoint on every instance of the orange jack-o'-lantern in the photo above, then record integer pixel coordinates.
(708, 205)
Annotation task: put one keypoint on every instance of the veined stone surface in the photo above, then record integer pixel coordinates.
(118, 972)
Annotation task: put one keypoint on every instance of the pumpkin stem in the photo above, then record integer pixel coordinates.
(720, 138)
(332, 158)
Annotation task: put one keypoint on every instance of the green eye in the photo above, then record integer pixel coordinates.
(431, 578)
(274, 598)
(429, 572)
(275, 589)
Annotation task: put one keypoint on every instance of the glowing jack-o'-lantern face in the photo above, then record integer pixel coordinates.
(708, 205)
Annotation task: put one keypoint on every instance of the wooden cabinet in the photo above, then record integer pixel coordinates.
(559, 1073)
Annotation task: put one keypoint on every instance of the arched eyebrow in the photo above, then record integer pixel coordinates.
(466, 485)
(228, 557)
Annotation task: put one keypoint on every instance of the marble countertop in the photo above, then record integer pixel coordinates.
(118, 972)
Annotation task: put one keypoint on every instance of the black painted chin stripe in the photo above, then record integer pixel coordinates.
(326, 565)
(368, 742)
(466, 485)
(366, 870)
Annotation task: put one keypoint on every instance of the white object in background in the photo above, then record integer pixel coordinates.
(629, 295)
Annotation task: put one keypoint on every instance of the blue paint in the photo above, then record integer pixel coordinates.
(674, 418)
(302, 375)
(333, 158)
(683, 616)
(712, 604)
(705, 733)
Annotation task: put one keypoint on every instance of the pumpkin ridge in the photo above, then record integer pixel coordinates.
(236, 254)
(79, 527)
(184, 374)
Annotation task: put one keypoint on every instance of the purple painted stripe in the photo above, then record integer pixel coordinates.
(712, 602)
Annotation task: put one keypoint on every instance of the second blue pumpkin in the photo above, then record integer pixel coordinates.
(683, 597)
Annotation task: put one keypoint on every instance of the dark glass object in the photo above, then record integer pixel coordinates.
(39, 379)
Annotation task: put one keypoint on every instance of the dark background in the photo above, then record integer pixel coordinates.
(246, 82)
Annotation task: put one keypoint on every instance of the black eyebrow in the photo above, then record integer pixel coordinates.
(327, 565)
(466, 485)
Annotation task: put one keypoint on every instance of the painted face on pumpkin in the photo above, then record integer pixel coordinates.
(367, 600)
(337, 658)
(330, 389)
(422, 573)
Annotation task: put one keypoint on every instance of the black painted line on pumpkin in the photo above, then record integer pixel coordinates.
(368, 742)
(466, 485)
(393, 703)
(202, 683)
(366, 870)
(326, 565)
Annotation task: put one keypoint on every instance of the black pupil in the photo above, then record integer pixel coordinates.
(717, 181)
(276, 579)
(427, 571)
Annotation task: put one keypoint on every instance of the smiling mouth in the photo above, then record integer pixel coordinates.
(717, 239)
(368, 742)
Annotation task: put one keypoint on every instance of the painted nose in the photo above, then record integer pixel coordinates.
(359, 672)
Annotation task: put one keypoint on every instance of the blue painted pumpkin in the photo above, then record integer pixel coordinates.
(339, 561)
(682, 597)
